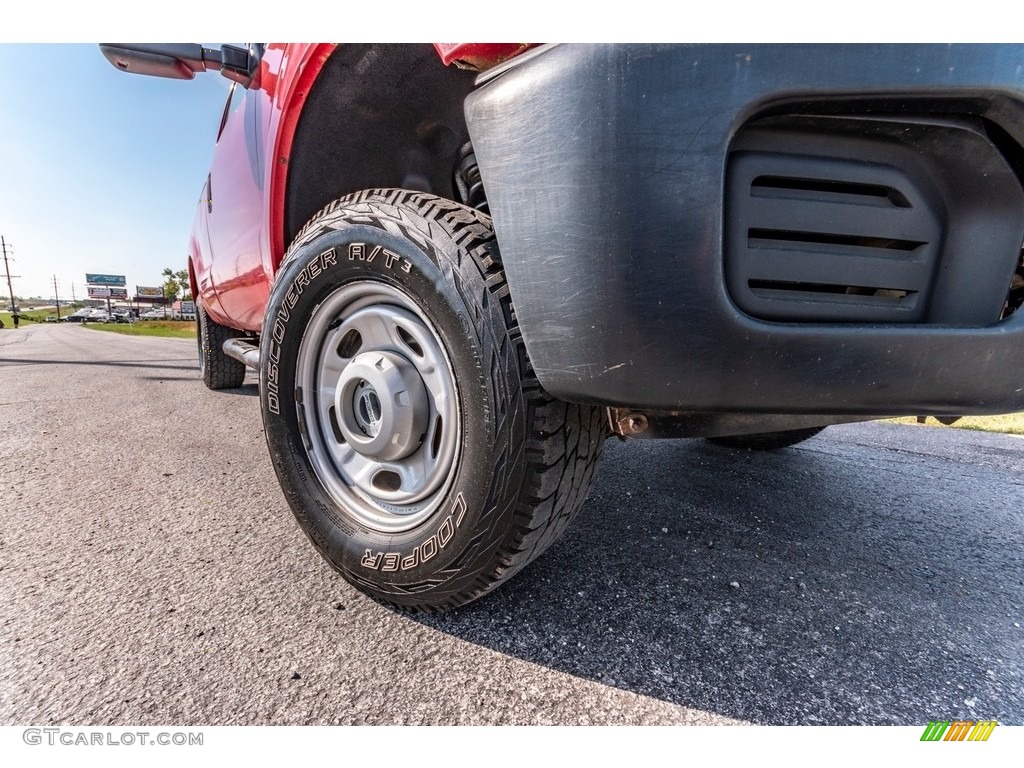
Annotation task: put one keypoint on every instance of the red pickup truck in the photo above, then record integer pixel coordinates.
(459, 268)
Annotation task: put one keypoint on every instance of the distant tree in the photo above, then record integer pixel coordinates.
(171, 286)
(175, 282)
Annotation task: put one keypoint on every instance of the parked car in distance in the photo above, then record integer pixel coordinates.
(97, 315)
(183, 310)
(153, 314)
(456, 282)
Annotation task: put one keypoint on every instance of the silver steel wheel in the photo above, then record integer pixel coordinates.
(380, 405)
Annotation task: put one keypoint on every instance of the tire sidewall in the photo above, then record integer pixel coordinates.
(443, 548)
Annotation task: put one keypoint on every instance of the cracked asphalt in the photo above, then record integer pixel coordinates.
(152, 573)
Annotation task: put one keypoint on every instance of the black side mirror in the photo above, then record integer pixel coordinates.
(182, 61)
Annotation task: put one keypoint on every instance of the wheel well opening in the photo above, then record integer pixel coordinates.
(193, 286)
(377, 116)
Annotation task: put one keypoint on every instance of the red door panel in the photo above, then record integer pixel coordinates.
(234, 210)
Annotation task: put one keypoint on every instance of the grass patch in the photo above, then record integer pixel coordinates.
(178, 329)
(34, 316)
(1010, 424)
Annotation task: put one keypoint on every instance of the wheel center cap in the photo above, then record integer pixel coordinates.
(382, 405)
(368, 410)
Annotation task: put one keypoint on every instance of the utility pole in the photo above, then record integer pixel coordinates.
(74, 299)
(7, 269)
(56, 297)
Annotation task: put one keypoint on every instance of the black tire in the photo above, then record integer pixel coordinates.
(218, 370)
(524, 461)
(767, 441)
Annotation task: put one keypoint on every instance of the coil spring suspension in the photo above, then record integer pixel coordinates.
(468, 181)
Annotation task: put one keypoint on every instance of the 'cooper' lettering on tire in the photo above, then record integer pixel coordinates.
(445, 532)
(428, 549)
(392, 561)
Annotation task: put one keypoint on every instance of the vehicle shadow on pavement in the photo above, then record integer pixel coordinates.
(830, 583)
(247, 390)
(178, 363)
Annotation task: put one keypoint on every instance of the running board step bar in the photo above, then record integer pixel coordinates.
(244, 351)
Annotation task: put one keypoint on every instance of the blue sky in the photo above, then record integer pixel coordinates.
(99, 171)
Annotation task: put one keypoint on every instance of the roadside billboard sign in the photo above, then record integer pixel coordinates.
(96, 279)
(144, 292)
(98, 292)
(119, 293)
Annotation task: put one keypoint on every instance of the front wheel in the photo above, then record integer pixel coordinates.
(410, 436)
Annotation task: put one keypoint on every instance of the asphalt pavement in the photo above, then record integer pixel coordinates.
(152, 573)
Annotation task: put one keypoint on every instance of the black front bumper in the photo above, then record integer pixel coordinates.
(605, 171)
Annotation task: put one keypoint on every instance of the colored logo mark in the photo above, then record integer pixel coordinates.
(958, 730)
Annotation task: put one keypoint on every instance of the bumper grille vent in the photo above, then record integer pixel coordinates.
(829, 240)
(832, 219)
